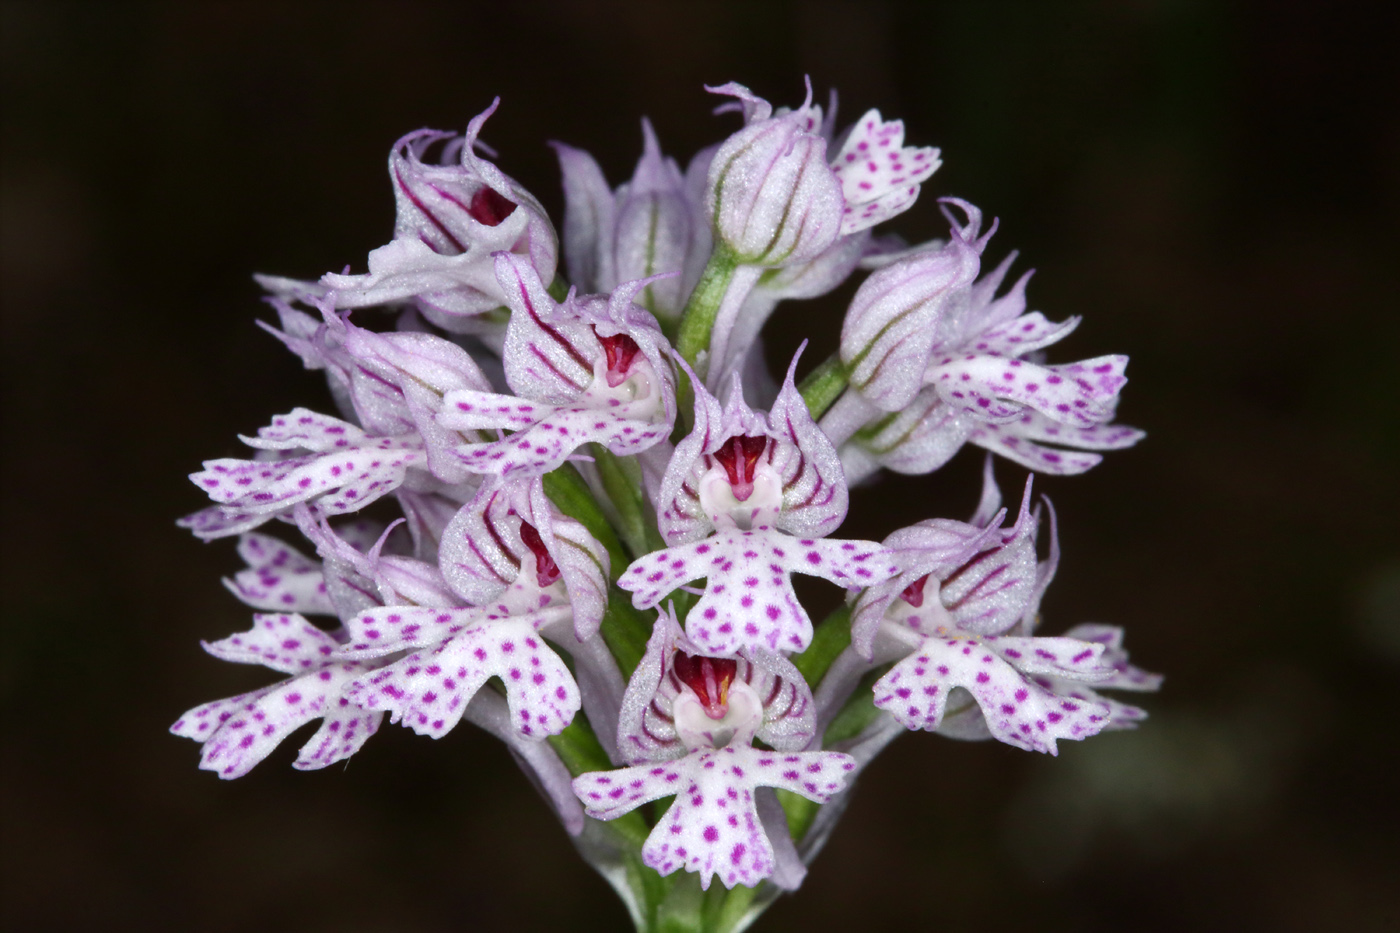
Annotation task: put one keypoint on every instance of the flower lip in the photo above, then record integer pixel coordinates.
(739, 455)
(709, 678)
(620, 350)
(490, 207)
(545, 568)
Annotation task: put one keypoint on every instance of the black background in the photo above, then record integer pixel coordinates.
(1214, 186)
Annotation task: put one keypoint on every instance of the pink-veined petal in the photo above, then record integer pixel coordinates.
(545, 358)
(588, 219)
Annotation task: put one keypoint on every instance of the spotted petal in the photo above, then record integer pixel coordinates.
(713, 827)
(241, 731)
(1126, 676)
(1017, 710)
(308, 430)
(1120, 715)
(749, 601)
(545, 444)
(429, 690)
(1025, 334)
(346, 471)
(279, 578)
(387, 629)
(285, 642)
(879, 175)
(998, 390)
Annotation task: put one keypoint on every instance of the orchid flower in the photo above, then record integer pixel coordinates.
(747, 501)
(954, 619)
(688, 720)
(394, 385)
(543, 471)
(589, 370)
(451, 220)
(777, 201)
(945, 366)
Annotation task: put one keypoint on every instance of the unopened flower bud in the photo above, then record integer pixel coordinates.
(651, 225)
(773, 197)
(892, 324)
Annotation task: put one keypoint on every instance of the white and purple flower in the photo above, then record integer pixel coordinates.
(688, 721)
(959, 618)
(495, 602)
(746, 502)
(947, 365)
(591, 370)
(451, 219)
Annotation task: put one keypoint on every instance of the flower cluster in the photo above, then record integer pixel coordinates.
(593, 501)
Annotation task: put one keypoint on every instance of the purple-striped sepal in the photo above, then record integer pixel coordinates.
(682, 698)
(590, 370)
(511, 551)
(451, 218)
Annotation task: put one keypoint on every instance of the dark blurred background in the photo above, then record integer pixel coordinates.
(1214, 186)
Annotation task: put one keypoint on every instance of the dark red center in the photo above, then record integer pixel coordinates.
(914, 593)
(739, 456)
(620, 350)
(546, 570)
(709, 678)
(490, 207)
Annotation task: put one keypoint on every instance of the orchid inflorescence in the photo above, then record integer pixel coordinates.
(596, 533)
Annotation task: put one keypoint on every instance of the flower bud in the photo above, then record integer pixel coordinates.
(657, 230)
(649, 226)
(774, 200)
(893, 321)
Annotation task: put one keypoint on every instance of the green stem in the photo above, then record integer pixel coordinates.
(570, 494)
(698, 318)
(732, 909)
(828, 640)
(581, 751)
(558, 289)
(625, 629)
(831, 637)
(824, 385)
(622, 482)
